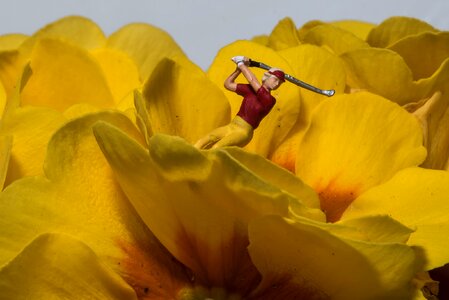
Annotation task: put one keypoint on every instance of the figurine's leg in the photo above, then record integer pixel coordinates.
(210, 139)
(238, 137)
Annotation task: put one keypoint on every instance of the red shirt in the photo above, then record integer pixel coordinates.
(255, 105)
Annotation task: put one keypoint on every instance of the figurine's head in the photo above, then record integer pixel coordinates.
(273, 78)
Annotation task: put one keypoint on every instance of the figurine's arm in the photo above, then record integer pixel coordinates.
(230, 83)
(252, 79)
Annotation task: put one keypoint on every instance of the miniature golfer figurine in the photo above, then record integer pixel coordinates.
(257, 103)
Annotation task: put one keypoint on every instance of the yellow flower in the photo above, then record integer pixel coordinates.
(69, 69)
(222, 224)
(135, 212)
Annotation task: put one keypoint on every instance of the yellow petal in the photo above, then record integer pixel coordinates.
(120, 71)
(31, 128)
(300, 261)
(310, 63)
(79, 196)
(11, 41)
(2, 100)
(182, 102)
(11, 66)
(380, 71)
(284, 35)
(433, 116)
(283, 179)
(260, 39)
(142, 117)
(355, 142)
(145, 44)
(274, 128)
(75, 30)
(306, 27)
(63, 75)
(396, 28)
(419, 199)
(436, 47)
(360, 29)
(197, 203)
(56, 266)
(5, 154)
(334, 38)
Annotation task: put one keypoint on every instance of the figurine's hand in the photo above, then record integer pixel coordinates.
(238, 60)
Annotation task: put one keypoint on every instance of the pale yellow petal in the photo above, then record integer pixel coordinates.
(56, 266)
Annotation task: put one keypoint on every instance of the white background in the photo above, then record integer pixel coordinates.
(202, 27)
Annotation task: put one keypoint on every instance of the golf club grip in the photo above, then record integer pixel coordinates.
(294, 80)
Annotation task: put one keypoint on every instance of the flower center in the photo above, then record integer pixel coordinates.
(202, 293)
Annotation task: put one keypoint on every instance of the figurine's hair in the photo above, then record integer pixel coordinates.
(267, 75)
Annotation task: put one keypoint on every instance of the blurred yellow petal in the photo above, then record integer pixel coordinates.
(360, 29)
(120, 71)
(11, 66)
(433, 116)
(434, 45)
(11, 41)
(418, 198)
(260, 39)
(145, 44)
(284, 35)
(380, 71)
(300, 261)
(5, 154)
(183, 102)
(63, 75)
(306, 27)
(74, 30)
(337, 40)
(274, 128)
(31, 128)
(394, 29)
(355, 142)
(198, 204)
(310, 63)
(3, 98)
(56, 266)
